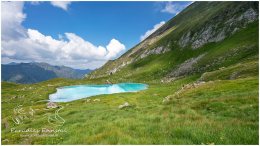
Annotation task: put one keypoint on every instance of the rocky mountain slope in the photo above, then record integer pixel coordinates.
(204, 37)
(37, 72)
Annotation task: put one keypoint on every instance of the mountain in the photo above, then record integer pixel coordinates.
(36, 72)
(204, 37)
(13, 63)
(202, 72)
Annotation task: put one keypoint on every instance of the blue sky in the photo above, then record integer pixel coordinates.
(96, 26)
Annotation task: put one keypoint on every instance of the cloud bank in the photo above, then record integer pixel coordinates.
(12, 17)
(25, 45)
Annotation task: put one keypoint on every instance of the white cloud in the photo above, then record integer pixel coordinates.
(41, 48)
(61, 4)
(174, 8)
(114, 48)
(149, 32)
(12, 17)
(69, 50)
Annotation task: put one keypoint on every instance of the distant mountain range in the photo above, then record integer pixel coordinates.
(36, 72)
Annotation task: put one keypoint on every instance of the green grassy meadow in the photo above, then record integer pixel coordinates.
(222, 110)
(219, 112)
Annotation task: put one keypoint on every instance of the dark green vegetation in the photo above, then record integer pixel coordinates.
(38, 72)
(201, 95)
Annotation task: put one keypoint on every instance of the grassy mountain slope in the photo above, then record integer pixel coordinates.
(240, 47)
(204, 22)
(196, 95)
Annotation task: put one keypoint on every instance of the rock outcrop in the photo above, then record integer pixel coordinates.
(217, 30)
(186, 67)
(157, 50)
(114, 70)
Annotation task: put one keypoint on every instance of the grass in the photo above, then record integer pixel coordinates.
(240, 70)
(219, 112)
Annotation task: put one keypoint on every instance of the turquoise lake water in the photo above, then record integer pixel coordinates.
(70, 93)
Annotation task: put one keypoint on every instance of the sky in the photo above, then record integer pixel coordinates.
(78, 34)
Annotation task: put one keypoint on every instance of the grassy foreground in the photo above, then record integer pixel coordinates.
(218, 111)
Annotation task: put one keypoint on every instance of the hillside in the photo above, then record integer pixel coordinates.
(202, 72)
(37, 72)
(203, 37)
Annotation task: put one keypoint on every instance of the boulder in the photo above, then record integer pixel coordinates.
(52, 105)
(126, 104)
(166, 99)
(108, 82)
(96, 100)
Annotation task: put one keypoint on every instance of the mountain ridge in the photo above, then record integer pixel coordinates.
(34, 72)
(211, 23)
